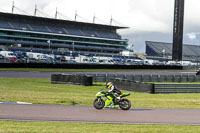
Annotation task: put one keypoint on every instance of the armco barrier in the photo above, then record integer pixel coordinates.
(71, 79)
(176, 88)
(86, 66)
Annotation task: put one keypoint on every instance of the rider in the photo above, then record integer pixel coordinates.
(114, 92)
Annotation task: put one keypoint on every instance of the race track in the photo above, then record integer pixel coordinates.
(62, 113)
(48, 74)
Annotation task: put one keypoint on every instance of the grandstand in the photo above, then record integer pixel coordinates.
(31, 32)
(161, 49)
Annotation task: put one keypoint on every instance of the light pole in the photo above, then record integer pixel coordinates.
(163, 52)
(49, 42)
(73, 46)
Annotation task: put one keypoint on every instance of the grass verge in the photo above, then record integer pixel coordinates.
(41, 91)
(12, 126)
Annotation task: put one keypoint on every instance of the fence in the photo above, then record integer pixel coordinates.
(147, 78)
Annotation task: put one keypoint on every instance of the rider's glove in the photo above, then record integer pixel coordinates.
(116, 94)
(103, 92)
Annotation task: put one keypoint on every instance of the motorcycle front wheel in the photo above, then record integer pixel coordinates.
(98, 103)
(125, 104)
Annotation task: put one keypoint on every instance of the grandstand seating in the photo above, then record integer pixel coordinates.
(39, 28)
(4, 24)
(195, 49)
(72, 31)
(188, 51)
(20, 26)
(156, 49)
(7, 41)
(58, 29)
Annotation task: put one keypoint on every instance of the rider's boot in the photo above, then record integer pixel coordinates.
(113, 105)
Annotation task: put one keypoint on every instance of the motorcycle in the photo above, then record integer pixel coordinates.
(103, 98)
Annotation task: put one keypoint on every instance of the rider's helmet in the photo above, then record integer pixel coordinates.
(109, 85)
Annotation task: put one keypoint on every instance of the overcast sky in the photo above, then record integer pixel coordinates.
(149, 20)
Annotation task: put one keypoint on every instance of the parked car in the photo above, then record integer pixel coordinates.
(1, 57)
(21, 56)
(12, 59)
(7, 54)
(198, 72)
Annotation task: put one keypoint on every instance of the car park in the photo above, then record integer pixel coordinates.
(1, 57)
(198, 72)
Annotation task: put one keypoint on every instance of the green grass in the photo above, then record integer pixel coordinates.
(10, 126)
(41, 91)
(73, 70)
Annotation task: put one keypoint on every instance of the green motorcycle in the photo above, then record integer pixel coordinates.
(105, 98)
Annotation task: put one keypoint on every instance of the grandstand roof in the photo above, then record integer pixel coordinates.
(156, 49)
(36, 19)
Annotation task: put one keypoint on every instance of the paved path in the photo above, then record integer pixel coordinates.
(48, 74)
(90, 115)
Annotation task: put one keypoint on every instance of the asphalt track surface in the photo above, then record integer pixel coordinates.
(63, 113)
(48, 74)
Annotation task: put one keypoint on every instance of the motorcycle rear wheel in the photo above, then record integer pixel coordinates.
(98, 103)
(125, 104)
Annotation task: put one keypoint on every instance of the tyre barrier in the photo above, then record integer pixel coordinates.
(176, 88)
(71, 79)
(131, 85)
(147, 78)
(155, 88)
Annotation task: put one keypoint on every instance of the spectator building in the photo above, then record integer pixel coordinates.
(164, 50)
(23, 32)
